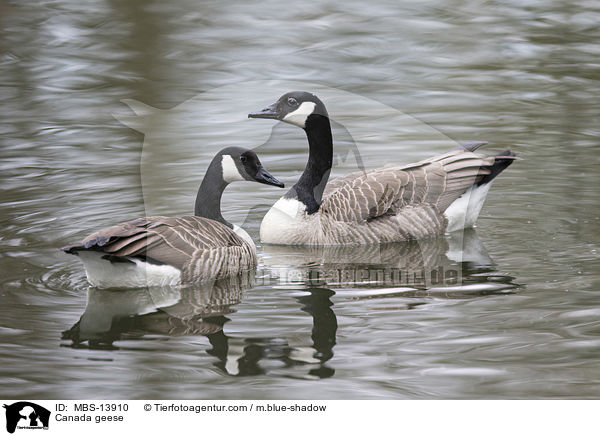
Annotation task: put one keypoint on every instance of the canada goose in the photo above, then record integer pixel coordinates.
(389, 204)
(159, 250)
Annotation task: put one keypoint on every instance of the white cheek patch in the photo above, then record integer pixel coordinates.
(230, 171)
(299, 116)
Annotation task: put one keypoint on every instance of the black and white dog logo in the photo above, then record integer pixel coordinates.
(26, 415)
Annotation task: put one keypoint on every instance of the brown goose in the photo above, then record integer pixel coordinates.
(160, 250)
(390, 204)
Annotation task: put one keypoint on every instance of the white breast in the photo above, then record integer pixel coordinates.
(285, 223)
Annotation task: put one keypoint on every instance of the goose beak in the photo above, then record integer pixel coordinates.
(263, 176)
(268, 112)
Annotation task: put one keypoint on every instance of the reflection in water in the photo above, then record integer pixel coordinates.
(173, 311)
(453, 266)
(242, 356)
(408, 269)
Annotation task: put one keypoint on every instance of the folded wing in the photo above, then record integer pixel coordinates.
(431, 185)
(199, 247)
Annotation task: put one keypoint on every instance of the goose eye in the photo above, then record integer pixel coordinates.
(292, 101)
(243, 159)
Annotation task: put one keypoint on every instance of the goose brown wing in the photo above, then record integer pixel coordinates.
(173, 241)
(364, 196)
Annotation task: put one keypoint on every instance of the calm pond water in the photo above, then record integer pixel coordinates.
(510, 310)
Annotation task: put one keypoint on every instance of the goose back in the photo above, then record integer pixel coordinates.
(398, 203)
(200, 248)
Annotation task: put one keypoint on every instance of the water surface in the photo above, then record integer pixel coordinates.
(522, 321)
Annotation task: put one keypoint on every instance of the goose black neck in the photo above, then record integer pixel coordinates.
(309, 189)
(208, 199)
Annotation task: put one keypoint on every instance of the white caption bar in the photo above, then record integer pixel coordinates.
(45, 418)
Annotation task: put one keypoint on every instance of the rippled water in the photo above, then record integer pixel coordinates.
(402, 82)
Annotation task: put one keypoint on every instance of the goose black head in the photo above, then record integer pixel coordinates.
(298, 108)
(239, 164)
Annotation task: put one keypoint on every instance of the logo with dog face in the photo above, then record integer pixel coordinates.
(26, 415)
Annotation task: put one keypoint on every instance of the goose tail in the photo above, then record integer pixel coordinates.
(464, 211)
(71, 249)
(502, 161)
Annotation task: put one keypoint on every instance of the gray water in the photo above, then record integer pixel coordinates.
(522, 319)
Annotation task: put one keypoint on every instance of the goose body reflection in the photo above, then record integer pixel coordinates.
(430, 265)
(170, 310)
